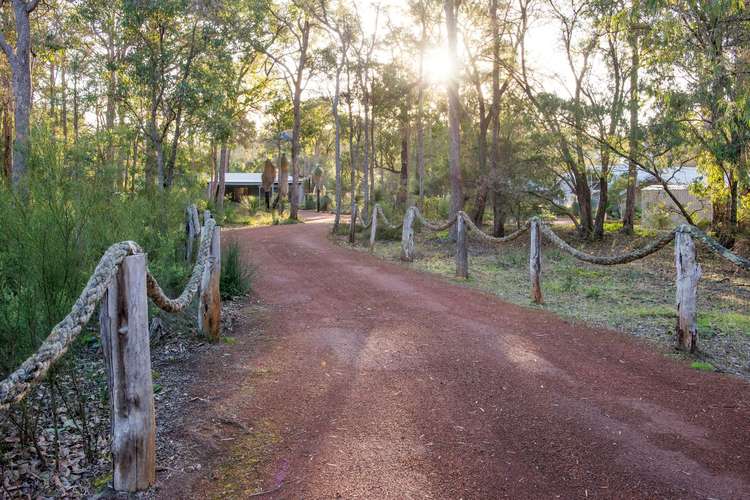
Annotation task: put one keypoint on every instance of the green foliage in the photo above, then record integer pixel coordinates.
(236, 278)
(51, 243)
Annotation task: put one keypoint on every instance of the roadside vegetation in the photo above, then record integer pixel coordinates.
(636, 298)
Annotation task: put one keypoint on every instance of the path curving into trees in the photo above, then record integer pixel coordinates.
(376, 381)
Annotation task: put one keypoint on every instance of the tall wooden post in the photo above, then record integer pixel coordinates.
(688, 275)
(192, 230)
(374, 227)
(535, 262)
(462, 252)
(353, 224)
(209, 299)
(407, 236)
(123, 321)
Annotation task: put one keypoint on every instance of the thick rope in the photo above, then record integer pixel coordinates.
(362, 222)
(385, 219)
(493, 239)
(715, 246)
(18, 384)
(607, 260)
(434, 226)
(155, 292)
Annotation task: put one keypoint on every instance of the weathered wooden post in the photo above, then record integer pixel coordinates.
(407, 236)
(192, 230)
(123, 321)
(535, 262)
(353, 224)
(462, 252)
(374, 227)
(209, 299)
(688, 275)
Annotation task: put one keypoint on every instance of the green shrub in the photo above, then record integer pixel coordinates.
(51, 242)
(235, 278)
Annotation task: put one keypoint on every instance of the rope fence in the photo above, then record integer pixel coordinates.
(120, 285)
(686, 263)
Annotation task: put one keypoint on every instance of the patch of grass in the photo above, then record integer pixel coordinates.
(229, 340)
(724, 322)
(702, 366)
(652, 311)
(593, 292)
(239, 475)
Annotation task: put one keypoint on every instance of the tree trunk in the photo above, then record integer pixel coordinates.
(337, 123)
(64, 101)
(628, 218)
(297, 117)
(76, 116)
(221, 188)
(172, 160)
(457, 195)
(601, 210)
(19, 60)
(403, 190)
(498, 202)
(7, 140)
(420, 115)
(484, 180)
(498, 214)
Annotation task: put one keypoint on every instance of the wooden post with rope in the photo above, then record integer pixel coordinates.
(123, 322)
(209, 298)
(535, 262)
(462, 252)
(192, 230)
(374, 227)
(407, 236)
(688, 275)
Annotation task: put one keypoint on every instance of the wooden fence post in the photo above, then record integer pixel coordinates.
(688, 275)
(374, 227)
(206, 215)
(407, 236)
(353, 224)
(209, 299)
(462, 252)
(192, 230)
(535, 262)
(123, 321)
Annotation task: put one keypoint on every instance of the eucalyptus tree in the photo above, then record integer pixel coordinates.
(454, 105)
(707, 42)
(165, 40)
(19, 60)
(292, 26)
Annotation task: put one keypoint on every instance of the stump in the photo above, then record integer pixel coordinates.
(123, 322)
(209, 298)
(535, 262)
(407, 236)
(688, 275)
(462, 252)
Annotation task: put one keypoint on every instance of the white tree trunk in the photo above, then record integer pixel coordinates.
(407, 236)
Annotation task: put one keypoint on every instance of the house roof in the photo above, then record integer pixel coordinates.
(249, 179)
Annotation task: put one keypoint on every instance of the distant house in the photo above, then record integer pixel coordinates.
(241, 184)
(659, 209)
(656, 205)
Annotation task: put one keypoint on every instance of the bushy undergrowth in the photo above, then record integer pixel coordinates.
(51, 241)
